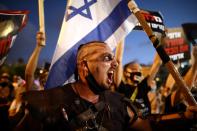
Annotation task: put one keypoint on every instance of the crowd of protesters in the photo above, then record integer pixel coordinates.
(12, 83)
(162, 105)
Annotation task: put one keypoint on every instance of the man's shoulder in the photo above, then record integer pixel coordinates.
(67, 91)
(114, 94)
(114, 97)
(67, 88)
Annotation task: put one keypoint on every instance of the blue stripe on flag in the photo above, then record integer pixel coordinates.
(64, 67)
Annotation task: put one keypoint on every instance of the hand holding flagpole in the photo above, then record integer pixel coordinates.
(40, 40)
(163, 55)
(41, 19)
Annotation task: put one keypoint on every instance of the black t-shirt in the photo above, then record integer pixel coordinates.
(47, 107)
(141, 99)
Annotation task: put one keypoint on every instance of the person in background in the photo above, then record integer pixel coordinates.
(155, 99)
(32, 65)
(175, 115)
(28, 84)
(175, 102)
(6, 97)
(5, 77)
(136, 87)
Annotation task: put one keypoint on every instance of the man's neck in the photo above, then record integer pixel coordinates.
(83, 90)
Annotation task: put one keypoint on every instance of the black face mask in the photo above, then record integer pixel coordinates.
(136, 77)
(94, 86)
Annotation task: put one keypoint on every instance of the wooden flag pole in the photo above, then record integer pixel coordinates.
(163, 55)
(41, 19)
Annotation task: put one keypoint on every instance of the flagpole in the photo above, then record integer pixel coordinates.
(41, 19)
(163, 55)
(67, 5)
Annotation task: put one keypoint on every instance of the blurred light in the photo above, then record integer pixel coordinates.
(8, 28)
(41, 71)
(157, 79)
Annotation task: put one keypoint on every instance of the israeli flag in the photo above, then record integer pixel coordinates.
(88, 20)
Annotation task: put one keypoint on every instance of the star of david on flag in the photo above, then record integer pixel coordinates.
(83, 10)
(84, 21)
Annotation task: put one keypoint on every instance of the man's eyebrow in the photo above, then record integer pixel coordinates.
(107, 54)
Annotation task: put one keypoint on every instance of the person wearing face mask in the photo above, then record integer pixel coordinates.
(87, 104)
(135, 87)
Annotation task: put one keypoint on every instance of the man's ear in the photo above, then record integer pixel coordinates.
(85, 65)
(82, 70)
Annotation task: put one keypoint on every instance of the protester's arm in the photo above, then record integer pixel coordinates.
(169, 83)
(29, 75)
(119, 70)
(154, 69)
(170, 80)
(139, 124)
(142, 125)
(192, 73)
(33, 61)
(190, 113)
(189, 77)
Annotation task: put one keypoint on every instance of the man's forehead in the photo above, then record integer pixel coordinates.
(95, 45)
(92, 48)
(134, 66)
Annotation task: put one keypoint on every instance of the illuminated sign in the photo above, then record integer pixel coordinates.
(175, 44)
(154, 20)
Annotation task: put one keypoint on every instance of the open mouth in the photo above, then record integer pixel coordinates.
(110, 75)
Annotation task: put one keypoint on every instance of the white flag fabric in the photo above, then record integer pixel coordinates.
(84, 21)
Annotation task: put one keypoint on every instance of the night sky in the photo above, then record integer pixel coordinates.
(137, 46)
